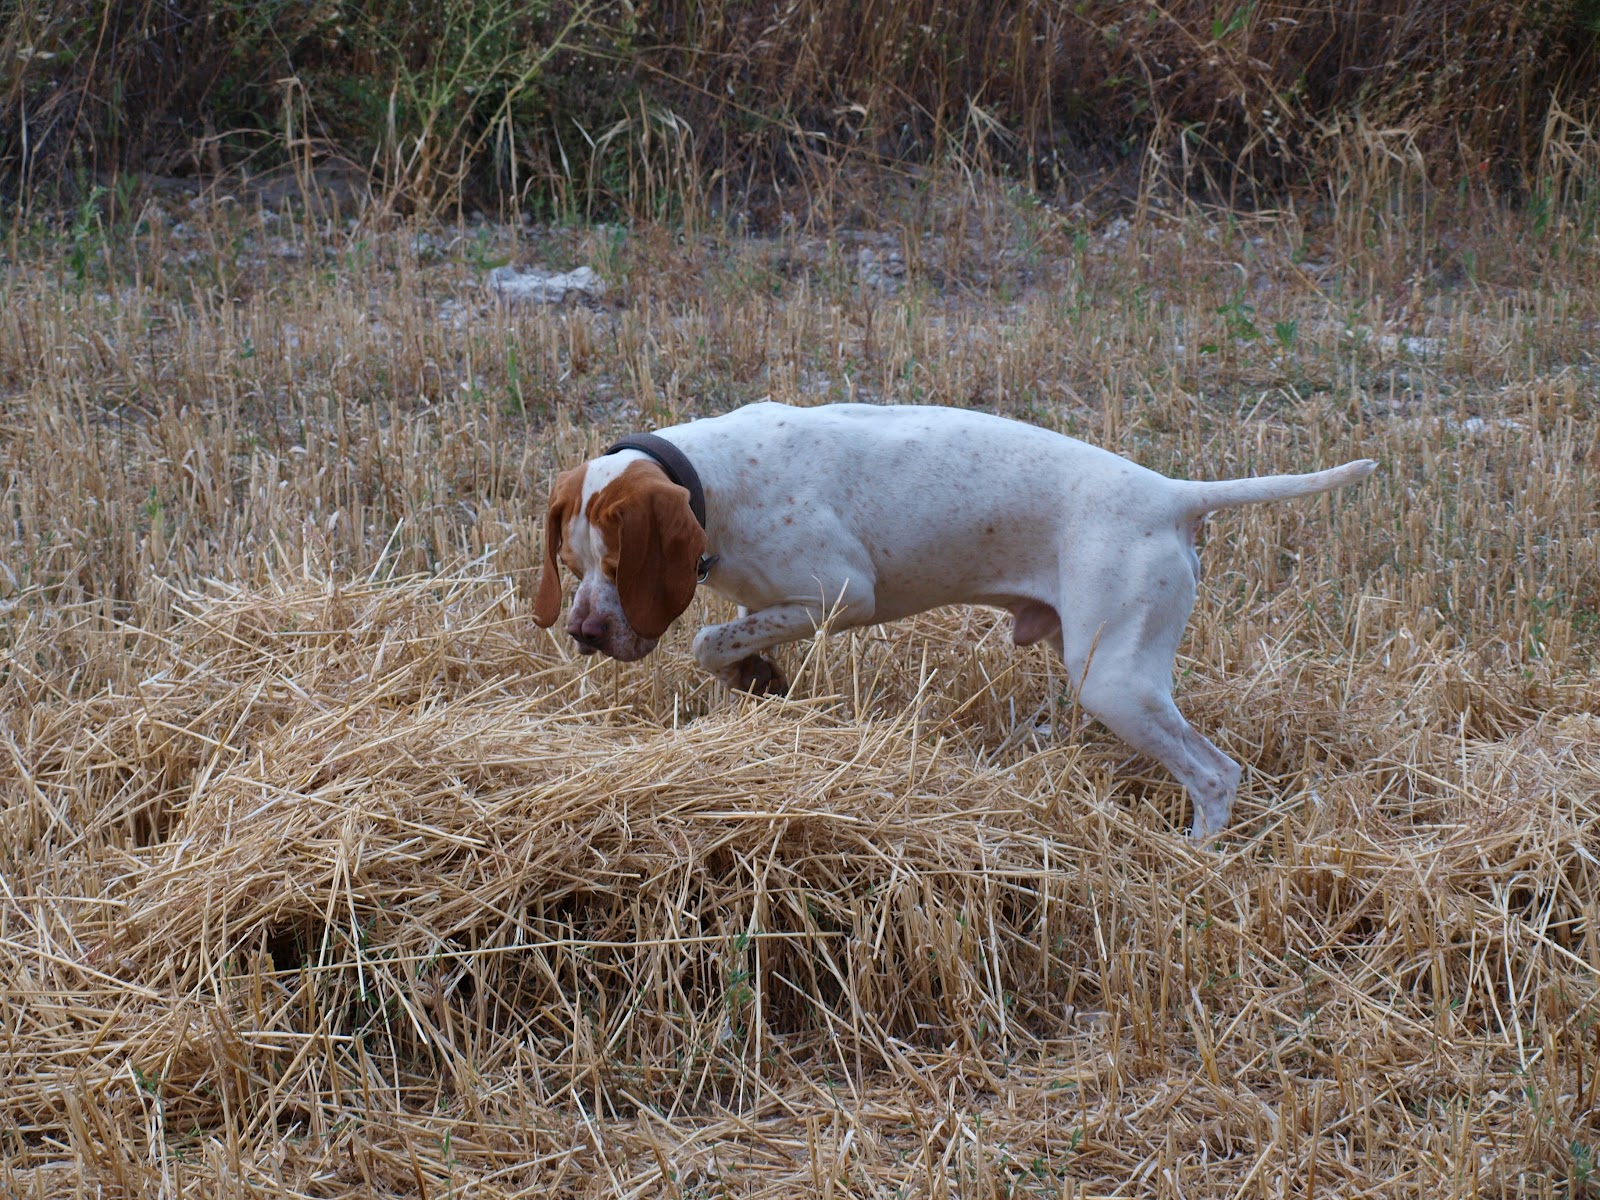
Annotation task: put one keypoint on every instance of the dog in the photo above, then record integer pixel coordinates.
(861, 513)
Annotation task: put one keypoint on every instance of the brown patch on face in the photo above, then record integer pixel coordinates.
(565, 495)
(653, 545)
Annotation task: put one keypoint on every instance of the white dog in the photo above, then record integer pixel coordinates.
(873, 513)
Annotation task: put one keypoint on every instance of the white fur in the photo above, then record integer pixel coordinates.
(873, 513)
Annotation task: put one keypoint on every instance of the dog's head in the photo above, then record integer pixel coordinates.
(627, 532)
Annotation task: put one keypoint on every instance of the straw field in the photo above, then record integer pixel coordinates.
(325, 873)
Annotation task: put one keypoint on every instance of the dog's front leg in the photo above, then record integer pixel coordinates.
(732, 651)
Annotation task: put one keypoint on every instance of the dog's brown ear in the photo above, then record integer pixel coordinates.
(653, 546)
(565, 496)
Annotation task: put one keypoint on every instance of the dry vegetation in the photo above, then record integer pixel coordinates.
(323, 872)
(556, 105)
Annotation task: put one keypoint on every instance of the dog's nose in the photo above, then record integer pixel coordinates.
(590, 631)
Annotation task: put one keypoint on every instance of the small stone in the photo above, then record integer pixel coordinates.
(545, 287)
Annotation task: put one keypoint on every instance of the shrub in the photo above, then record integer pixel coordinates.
(494, 100)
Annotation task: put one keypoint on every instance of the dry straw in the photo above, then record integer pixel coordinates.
(324, 873)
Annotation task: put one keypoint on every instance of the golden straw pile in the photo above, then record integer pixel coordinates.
(324, 873)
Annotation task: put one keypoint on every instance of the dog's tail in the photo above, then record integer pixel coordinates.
(1199, 498)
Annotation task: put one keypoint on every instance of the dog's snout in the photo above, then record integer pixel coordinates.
(588, 630)
(597, 624)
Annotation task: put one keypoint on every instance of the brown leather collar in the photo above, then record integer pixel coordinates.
(673, 461)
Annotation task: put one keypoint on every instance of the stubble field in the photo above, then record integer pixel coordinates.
(325, 873)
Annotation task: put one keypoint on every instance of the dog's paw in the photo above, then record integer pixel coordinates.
(1208, 826)
(756, 675)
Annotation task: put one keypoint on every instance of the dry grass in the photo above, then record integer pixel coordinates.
(325, 873)
(758, 106)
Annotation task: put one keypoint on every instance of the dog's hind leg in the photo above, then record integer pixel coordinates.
(1145, 717)
(1119, 651)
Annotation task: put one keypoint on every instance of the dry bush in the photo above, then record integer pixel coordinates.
(763, 110)
(323, 872)
(1233, 101)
